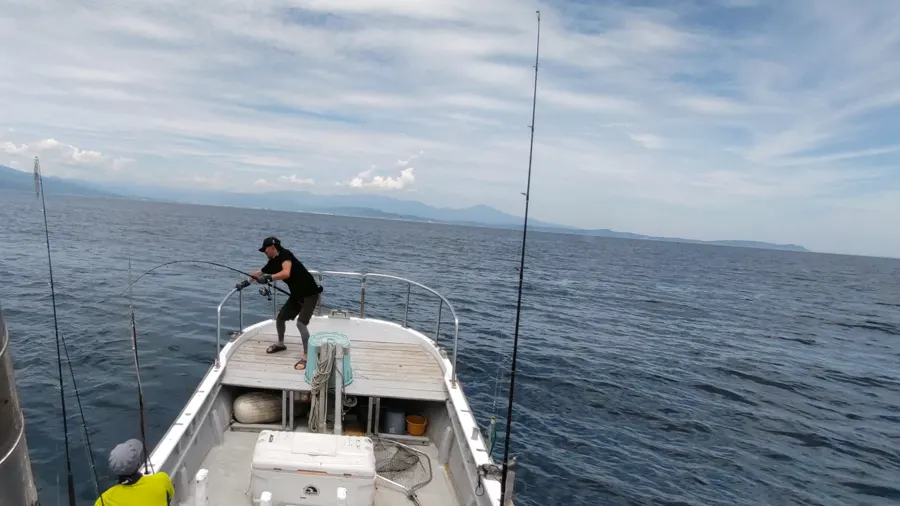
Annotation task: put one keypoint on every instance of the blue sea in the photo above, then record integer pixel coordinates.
(649, 373)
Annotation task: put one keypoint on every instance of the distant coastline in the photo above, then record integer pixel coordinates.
(360, 206)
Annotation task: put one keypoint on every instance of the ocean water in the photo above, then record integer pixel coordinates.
(649, 373)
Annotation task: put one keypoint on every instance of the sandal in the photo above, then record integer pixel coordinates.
(275, 348)
(301, 361)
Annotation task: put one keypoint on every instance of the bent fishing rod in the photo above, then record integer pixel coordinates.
(512, 373)
(204, 262)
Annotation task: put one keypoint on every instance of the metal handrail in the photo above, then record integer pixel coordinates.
(362, 307)
(219, 322)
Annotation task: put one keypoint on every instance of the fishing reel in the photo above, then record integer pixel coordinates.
(264, 291)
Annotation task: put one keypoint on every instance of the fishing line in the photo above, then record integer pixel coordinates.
(87, 439)
(512, 372)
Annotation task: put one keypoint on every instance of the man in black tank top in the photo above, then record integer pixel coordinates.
(284, 266)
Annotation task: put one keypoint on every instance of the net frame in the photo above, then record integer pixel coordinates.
(401, 465)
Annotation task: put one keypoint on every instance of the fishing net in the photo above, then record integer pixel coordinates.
(401, 464)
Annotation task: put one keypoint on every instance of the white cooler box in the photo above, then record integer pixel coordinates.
(300, 469)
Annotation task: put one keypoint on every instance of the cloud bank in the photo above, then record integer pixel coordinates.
(366, 179)
(764, 120)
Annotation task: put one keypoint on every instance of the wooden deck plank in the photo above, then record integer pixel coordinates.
(379, 369)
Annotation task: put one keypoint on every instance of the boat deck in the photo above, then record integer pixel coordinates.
(229, 476)
(387, 361)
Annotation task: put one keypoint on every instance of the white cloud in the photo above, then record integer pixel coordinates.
(267, 161)
(12, 149)
(121, 163)
(365, 179)
(649, 141)
(406, 161)
(83, 156)
(651, 119)
(63, 159)
(46, 144)
(293, 179)
(68, 153)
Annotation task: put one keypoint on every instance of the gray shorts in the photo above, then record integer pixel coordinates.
(301, 309)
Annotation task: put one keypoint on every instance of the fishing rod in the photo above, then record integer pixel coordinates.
(512, 372)
(204, 262)
(38, 187)
(137, 367)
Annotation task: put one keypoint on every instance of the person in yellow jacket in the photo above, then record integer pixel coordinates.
(134, 488)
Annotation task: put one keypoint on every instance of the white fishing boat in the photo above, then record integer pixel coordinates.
(378, 418)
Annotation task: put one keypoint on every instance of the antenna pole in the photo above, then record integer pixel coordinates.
(512, 374)
(39, 187)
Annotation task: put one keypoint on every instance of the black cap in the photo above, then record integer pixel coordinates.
(270, 241)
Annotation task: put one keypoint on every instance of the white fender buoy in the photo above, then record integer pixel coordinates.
(258, 407)
(265, 499)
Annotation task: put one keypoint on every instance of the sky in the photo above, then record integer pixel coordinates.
(771, 120)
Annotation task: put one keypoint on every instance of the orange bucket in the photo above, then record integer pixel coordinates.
(415, 425)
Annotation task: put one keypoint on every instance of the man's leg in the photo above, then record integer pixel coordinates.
(288, 311)
(279, 326)
(306, 312)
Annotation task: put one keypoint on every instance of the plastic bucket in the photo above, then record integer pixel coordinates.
(415, 425)
(394, 421)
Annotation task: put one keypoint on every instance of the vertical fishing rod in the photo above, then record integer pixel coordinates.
(512, 372)
(39, 189)
(137, 366)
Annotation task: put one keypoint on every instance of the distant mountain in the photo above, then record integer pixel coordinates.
(12, 179)
(306, 201)
(365, 212)
(362, 205)
(734, 243)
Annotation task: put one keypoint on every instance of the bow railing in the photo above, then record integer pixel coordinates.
(363, 278)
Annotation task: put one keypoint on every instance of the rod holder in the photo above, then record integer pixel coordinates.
(406, 313)
(338, 373)
(362, 298)
(510, 481)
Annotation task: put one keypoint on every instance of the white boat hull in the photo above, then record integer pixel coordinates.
(390, 362)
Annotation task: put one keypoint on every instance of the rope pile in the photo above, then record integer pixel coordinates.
(318, 408)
